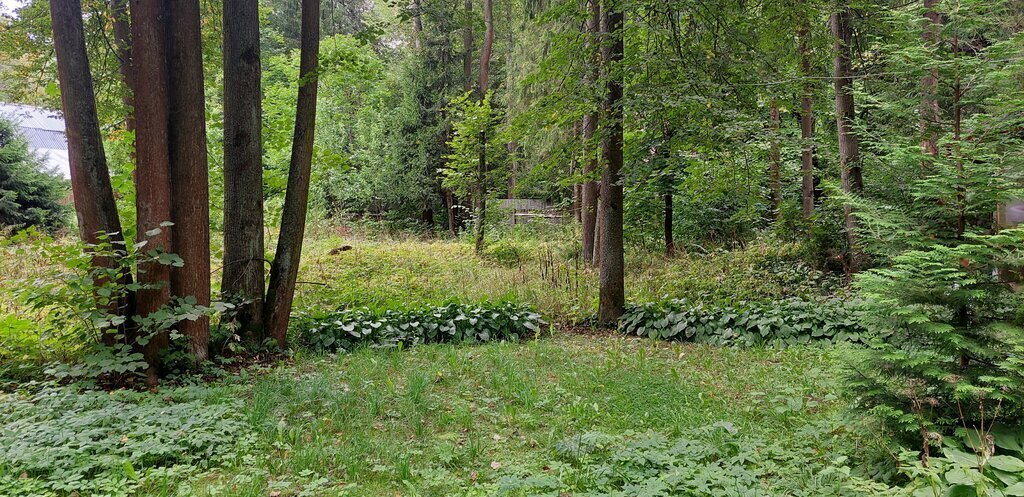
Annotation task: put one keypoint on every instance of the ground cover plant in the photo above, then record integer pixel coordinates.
(437, 419)
(507, 248)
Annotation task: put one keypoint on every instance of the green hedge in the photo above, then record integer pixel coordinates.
(778, 323)
(350, 328)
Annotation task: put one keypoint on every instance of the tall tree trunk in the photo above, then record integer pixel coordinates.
(467, 46)
(598, 232)
(123, 49)
(485, 51)
(590, 159)
(775, 160)
(243, 165)
(417, 24)
(806, 115)
(670, 243)
(612, 279)
(481, 194)
(152, 171)
(190, 186)
(513, 153)
(849, 146)
(285, 269)
(483, 86)
(930, 33)
(90, 179)
(961, 183)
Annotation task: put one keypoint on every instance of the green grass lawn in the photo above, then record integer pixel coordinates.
(454, 420)
(554, 416)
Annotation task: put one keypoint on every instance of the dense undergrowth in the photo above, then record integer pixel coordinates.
(440, 420)
(779, 323)
(354, 409)
(349, 329)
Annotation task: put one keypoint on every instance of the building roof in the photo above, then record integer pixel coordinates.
(44, 130)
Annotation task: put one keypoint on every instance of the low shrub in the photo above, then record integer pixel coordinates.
(779, 323)
(65, 441)
(984, 463)
(350, 328)
(715, 460)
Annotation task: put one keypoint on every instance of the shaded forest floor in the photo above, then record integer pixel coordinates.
(573, 412)
(499, 418)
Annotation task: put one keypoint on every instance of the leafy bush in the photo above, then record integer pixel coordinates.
(61, 441)
(781, 323)
(711, 461)
(508, 254)
(79, 307)
(952, 338)
(351, 328)
(988, 463)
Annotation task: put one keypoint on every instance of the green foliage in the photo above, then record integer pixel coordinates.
(29, 196)
(506, 253)
(987, 463)
(474, 121)
(81, 305)
(61, 441)
(952, 335)
(780, 323)
(348, 329)
(715, 460)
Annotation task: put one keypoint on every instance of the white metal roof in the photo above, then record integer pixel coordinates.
(44, 130)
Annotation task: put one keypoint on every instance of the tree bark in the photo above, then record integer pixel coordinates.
(417, 24)
(590, 159)
(482, 87)
(806, 116)
(670, 244)
(467, 47)
(285, 269)
(190, 186)
(612, 278)
(123, 49)
(243, 166)
(849, 145)
(485, 51)
(598, 231)
(930, 33)
(90, 180)
(481, 194)
(775, 160)
(152, 171)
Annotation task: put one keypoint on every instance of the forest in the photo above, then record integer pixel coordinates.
(298, 248)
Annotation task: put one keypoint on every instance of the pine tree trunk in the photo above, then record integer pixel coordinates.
(930, 33)
(590, 160)
(849, 146)
(612, 278)
(285, 269)
(190, 186)
(243, 166)
(806, 118)
(90, 180)
(775, 160)
(152, 171)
